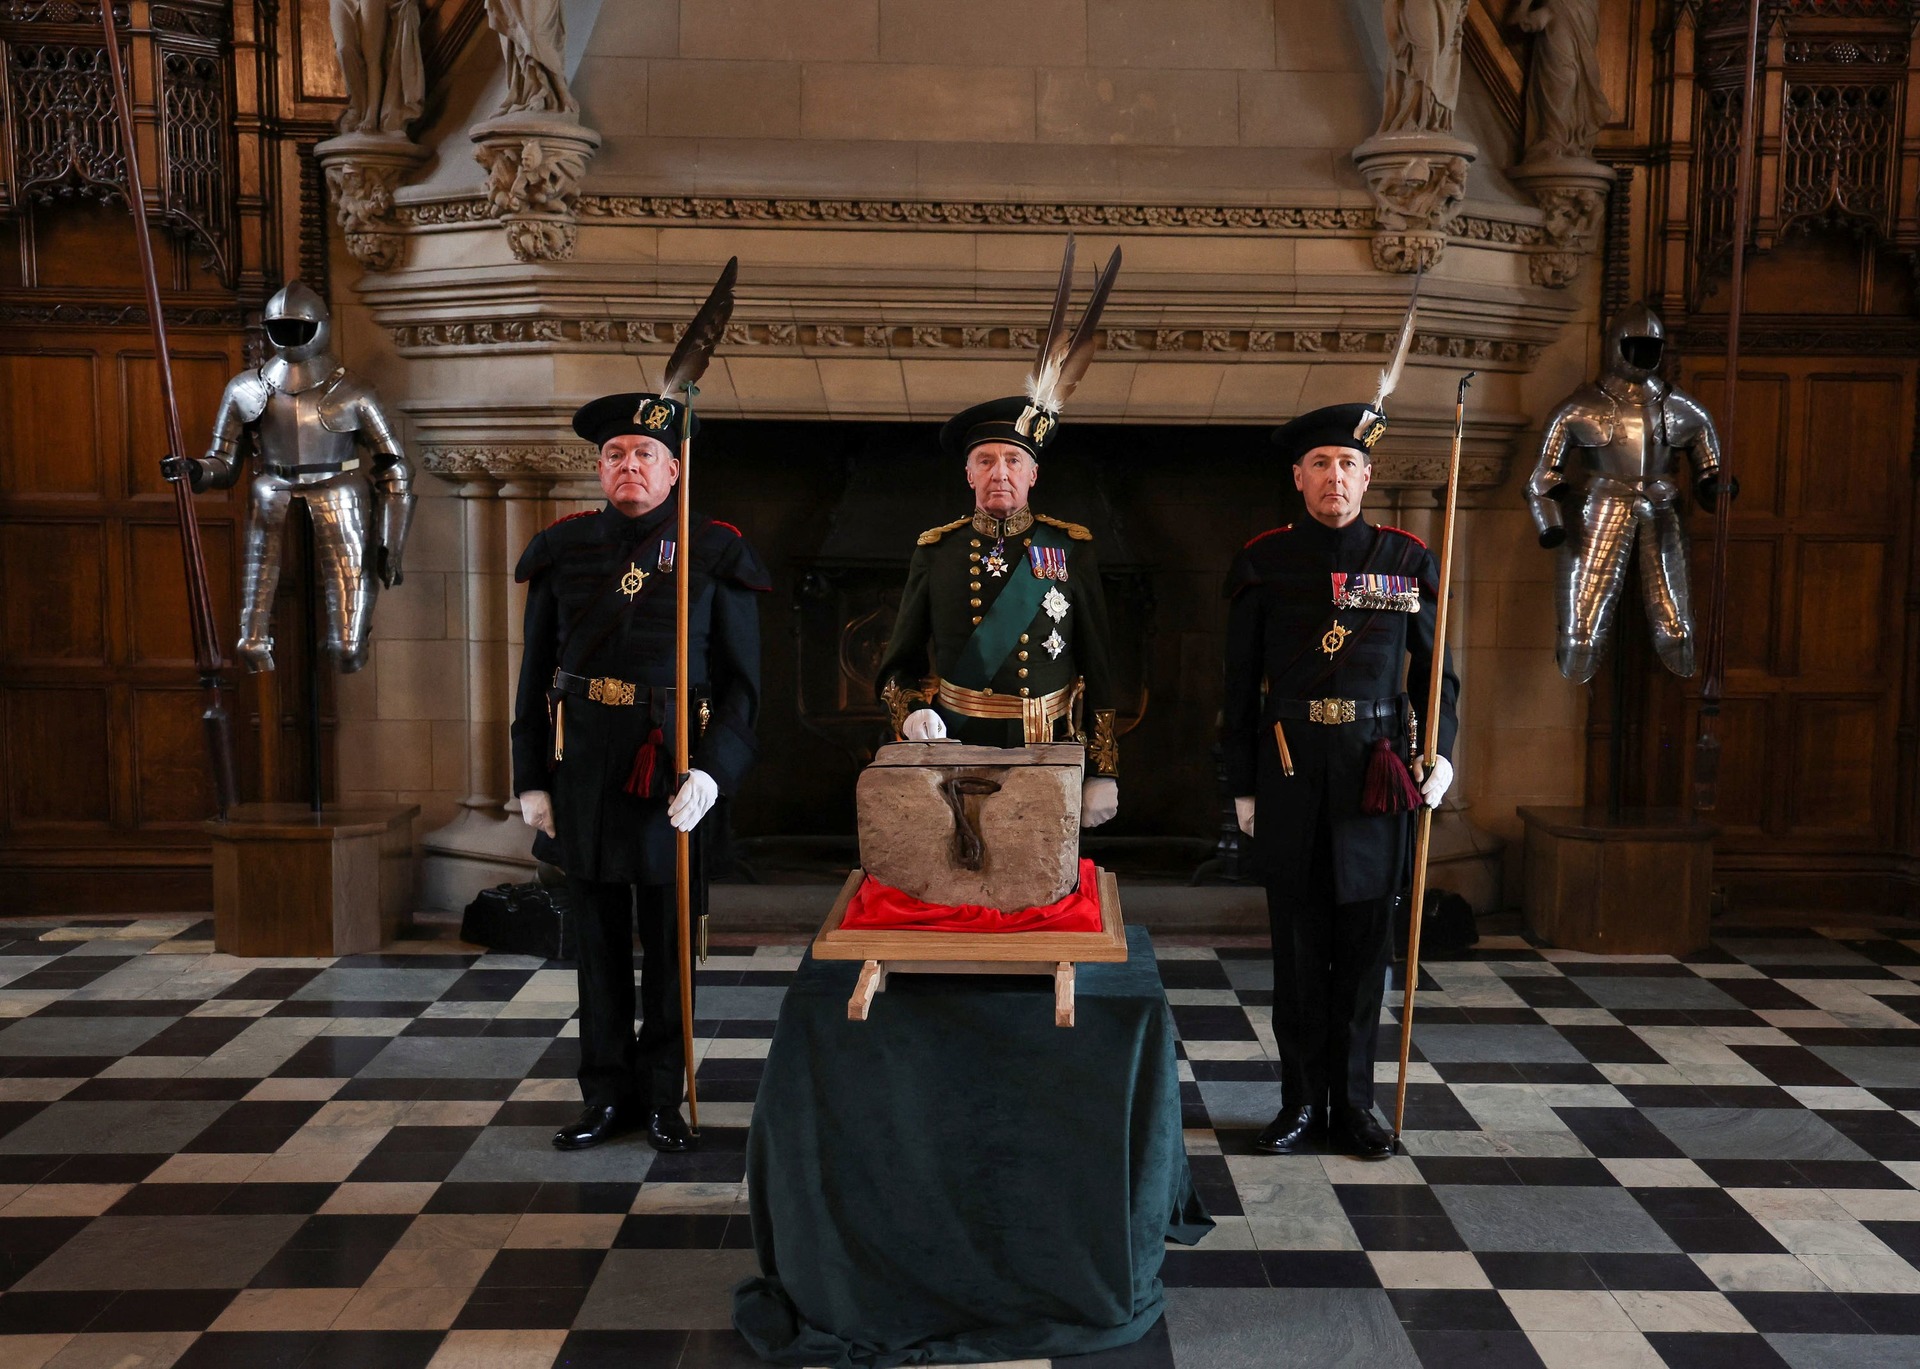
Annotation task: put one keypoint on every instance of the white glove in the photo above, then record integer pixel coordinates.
(923, 725)
(536, 810)
(1243, 813)
(696, 796)
(1434, 787)
(1099, 800)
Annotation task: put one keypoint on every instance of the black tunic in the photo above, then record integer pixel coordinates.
(572, 572)
(1282, 592)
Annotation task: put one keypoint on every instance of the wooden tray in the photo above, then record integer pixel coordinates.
(900, 951)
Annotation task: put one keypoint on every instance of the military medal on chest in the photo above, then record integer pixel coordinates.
(1049, 563)
(1055, 604)
(1381, 593)
(996, 562)
(633, 581)
(665, 564)
(1334, 638)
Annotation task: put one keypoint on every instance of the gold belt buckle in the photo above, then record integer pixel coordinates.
(1330, 711)
(616, 692)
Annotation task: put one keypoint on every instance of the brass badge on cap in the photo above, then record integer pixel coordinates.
(658, 416)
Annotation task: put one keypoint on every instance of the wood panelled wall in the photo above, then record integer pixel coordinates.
(1818, 776)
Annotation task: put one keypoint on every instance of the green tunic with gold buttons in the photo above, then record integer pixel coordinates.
(958, 574)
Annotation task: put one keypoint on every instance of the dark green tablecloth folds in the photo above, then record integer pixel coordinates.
(957, 1180)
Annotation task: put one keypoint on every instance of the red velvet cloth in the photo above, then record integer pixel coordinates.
(881, 906)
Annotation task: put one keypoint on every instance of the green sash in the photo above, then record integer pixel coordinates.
(993, 641)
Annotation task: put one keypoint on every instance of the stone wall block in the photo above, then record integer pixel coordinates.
(1221, 34)
(982, 32)
(780, 30)
(723, 99)
(1081, 105)
(931, 103)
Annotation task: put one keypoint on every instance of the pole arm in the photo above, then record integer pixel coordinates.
(682, 744)
(207, 657)
(1430, 752)
(1706, 765)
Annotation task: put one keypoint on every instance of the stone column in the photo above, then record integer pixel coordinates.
(484, 845)
(525, 501)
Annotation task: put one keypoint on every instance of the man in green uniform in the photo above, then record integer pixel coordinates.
(1009, 604)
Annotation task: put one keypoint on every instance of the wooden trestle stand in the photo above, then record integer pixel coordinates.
(904, 951)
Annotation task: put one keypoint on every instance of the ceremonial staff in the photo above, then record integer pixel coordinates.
(206, 642)
(684, 369)
(1706, 754)
(1423, 825)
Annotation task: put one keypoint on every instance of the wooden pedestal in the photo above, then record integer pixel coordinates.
(1636, 884)
(291, 882)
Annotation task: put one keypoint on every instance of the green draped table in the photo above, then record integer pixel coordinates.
(957, 1180)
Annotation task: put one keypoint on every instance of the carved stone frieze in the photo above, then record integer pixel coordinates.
(650, 209)
(1417, 180)
(619, 334)
(363, 171)
(505, 461)
(534, 163)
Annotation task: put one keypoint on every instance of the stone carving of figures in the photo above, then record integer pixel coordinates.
(1423, 72)
(533, 40)
(379, 46)
(1565, 104)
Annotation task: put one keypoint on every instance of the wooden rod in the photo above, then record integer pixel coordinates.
(682, 748)
(1706, 755)
(1430, 751)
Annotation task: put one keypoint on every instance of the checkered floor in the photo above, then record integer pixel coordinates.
(286, 1164)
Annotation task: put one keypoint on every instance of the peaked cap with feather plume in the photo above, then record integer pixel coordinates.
(1031, 420)
(660, 415)
(1355, 426)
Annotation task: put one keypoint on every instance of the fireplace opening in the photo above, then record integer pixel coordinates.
(834, 510)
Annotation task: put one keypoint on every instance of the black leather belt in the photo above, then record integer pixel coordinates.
(1332, 712)
(323, 468)
(618, 693)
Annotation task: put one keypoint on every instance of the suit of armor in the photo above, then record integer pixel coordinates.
(1608, 480)
(309, 415)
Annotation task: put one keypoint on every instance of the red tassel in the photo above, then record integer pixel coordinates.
(646, 762)
(1389, 786)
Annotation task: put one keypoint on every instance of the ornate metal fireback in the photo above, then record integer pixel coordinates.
(64, 133)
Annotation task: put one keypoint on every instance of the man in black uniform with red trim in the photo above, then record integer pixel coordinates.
(592, 762)
(1327, 615)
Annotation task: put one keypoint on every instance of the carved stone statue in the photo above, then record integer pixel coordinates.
(1565, 104)
(1423, 74)
(533, 41)
(379, 46)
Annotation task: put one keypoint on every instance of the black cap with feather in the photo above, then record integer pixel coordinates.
(1031, 420)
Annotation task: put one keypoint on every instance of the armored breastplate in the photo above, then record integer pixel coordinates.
(292, 435)
(1639, 449)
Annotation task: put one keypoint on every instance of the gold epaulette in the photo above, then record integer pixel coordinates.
(1077, 531)
(932, 535)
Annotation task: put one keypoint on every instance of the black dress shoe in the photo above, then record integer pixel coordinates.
(1288, 1133)
(1357, 1132)
(598, 1123)
(667, 1132)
